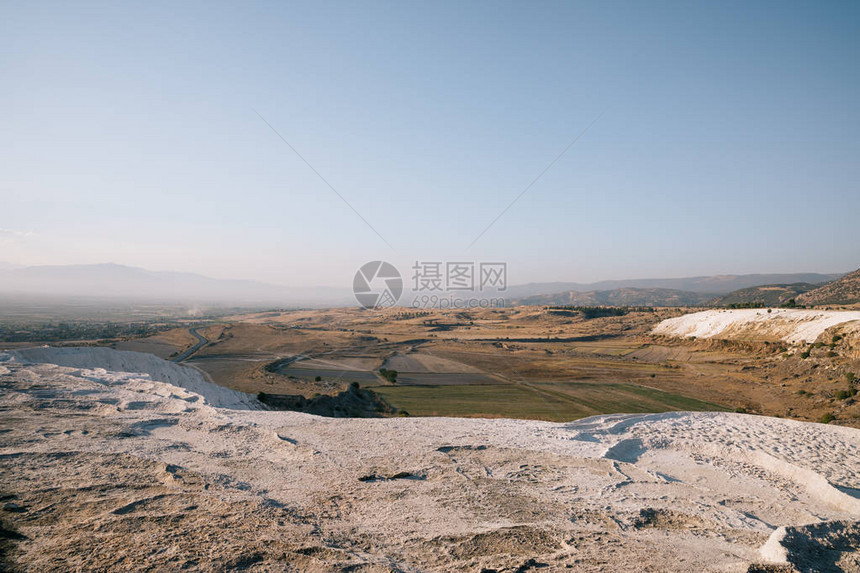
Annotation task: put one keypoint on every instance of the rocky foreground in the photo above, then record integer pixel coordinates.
(120, 461)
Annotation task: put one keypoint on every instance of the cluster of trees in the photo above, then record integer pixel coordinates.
(599, 311)
(51, 331)
(755, 304)
(790, 303)
(408, 315)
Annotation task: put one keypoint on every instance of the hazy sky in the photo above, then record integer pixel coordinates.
(729, 140)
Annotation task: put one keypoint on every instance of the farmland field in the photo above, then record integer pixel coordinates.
(554, 402)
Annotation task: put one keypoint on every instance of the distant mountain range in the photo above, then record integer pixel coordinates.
(844, 290)
(137, 284)
(718, 290)
(714, 285)
(133, 283)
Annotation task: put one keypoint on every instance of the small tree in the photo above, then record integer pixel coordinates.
(390, 375)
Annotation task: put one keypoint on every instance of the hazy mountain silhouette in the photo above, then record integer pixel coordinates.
(133, 283)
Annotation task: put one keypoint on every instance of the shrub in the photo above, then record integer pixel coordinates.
(845, 394)
(261, 396)
(390, 375)
(740, 410)
(804, 355)
(318, 379)
(827, 418)
(836, 338)
(850, 376)
(754, 304)
(354, 385)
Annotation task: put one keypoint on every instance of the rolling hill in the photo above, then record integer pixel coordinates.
(845, 290)
(767, 295)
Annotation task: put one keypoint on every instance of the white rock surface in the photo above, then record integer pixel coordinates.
(788, 325)
(125, 471)
(103, 363)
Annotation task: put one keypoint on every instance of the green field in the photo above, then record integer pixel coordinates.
(556, 401)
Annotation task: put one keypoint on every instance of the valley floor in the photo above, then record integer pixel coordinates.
(543, 363)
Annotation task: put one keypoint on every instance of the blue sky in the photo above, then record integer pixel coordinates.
(728, 140)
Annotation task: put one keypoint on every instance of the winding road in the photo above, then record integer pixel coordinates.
(201, 342)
